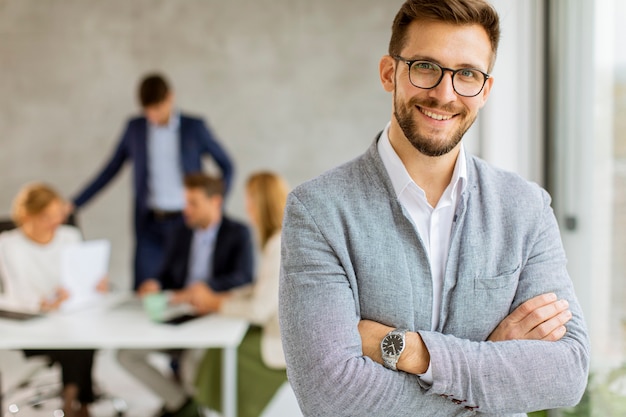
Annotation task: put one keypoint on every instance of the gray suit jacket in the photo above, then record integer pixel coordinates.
(350, 251)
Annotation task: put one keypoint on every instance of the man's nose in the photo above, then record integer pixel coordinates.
(444, 91)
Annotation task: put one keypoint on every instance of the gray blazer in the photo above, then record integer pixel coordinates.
(350, 251)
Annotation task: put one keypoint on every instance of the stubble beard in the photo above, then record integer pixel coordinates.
(426, 145)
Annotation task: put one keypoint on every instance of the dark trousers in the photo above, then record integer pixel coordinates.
(76, 368)
(150, 243)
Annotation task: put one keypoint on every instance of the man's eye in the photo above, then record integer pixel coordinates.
(468, 73)
(425, 66)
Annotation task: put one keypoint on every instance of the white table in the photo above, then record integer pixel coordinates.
(118, 321)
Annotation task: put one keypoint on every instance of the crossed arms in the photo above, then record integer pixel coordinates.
(526, 361)
(540, 318)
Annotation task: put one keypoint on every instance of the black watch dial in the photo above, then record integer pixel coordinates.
(393, 344)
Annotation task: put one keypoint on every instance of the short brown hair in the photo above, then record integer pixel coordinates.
(458, 12)
(269, 196)
(153, 90)
(211, 186)
(31, 200)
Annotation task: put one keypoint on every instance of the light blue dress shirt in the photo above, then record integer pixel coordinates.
(201, 255)
(165, 173)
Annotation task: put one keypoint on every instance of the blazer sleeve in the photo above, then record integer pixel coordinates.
(211, 146)
(233, 267)
(318, 325)
(110, 170)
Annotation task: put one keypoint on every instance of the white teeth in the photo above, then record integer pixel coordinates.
(435, 115)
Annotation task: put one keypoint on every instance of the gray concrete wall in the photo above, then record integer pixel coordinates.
(289, 85)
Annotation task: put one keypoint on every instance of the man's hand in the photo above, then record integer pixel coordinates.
(199, 295)
(540, 318)
(103, 285)
(204, 299)
(150, 286)
(415, 357)
(50, 305)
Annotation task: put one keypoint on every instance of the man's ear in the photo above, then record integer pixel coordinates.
(387, 72)
(486, 91)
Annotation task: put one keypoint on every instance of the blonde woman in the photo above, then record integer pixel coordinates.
(261, 363)
(30, 268)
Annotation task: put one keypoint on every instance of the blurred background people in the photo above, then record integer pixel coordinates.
(164, 144)
(209, 252)
(261, 363)
(30, 268)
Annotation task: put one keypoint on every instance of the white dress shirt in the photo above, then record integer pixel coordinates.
(201, 255)
(433, 224)
(165, 173)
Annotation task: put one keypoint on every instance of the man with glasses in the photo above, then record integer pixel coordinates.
(417, 280)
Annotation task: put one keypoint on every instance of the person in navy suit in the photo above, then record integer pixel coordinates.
(164, 145)
(209, 251)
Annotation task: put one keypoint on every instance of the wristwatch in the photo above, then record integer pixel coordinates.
(391, 347)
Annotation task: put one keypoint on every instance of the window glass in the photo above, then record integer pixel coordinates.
(619, 173)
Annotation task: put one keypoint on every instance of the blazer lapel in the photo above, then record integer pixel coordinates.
(184, 136)
(141, 163)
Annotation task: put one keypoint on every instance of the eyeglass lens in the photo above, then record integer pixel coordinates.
(466, 81)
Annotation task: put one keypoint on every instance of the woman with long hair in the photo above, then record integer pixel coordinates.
(261, 362)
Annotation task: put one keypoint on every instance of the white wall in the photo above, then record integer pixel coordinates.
(289, 85)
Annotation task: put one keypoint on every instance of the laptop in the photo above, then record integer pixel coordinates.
(17, 315)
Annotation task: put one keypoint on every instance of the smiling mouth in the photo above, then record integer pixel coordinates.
(435, 116)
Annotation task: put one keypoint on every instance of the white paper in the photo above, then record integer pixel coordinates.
(83, 265)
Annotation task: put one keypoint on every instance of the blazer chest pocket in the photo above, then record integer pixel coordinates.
(506, 279)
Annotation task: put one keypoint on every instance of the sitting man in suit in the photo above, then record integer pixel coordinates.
(209, 250)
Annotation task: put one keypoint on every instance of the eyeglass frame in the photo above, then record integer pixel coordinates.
(453, 72)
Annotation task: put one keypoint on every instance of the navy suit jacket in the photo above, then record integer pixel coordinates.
(232, 259)
(195, 140)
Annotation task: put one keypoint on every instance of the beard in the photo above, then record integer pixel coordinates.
(429, 145)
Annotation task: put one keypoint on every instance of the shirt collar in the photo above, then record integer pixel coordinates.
(208, 234)
(400, 177)
(172, 124)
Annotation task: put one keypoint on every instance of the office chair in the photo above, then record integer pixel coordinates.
(20, 374)
(34, 373)
(34, 382)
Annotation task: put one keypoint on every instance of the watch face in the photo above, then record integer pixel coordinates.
(393, 344)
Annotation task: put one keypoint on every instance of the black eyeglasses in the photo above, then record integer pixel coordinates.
(467, 82)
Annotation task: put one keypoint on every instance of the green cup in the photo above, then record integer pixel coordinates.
(155, 305)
